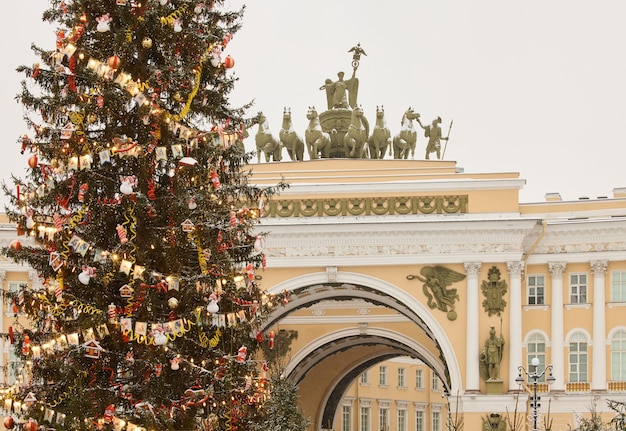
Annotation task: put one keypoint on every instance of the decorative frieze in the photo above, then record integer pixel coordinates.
(374, 206)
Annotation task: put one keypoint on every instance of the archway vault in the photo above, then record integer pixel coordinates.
(325, 365)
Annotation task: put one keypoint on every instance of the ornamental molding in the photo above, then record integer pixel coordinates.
(598, 236)
(392, 242)
(367, 206)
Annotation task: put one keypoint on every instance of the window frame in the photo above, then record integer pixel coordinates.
(578, 371)
(434, 382)
(402, 377)
(618, 293)
(419, 420)
(533, 340)
(365, 416)
(383, 379)
(346, 418)
(618, 357)
(578, 289)
(419, 378)
(532, 287)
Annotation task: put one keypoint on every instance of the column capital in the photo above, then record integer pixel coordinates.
(3, 275)
(598, 267)
(556, 268)
(472, 268)
(515, 268)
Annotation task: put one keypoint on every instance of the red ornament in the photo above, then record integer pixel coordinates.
(215, 180)
(33, 161)
(229, 62)
(227, 38)
(15, 244)
(9, 422)
(31, 425)
(114, 62)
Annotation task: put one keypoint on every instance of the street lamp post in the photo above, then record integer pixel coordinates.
(533, 378)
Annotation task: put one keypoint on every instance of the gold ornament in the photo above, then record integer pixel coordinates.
(146, 43)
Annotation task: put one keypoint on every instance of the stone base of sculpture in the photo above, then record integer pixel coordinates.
(495, 387)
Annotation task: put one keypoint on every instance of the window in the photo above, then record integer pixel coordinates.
(365, 419)
(346, 418)
(578, 358)
(618, 286)
(419, 420)
(402, 420)
(578, 288)
(618, 356)
(402, 377)
(364, 378)
(435, 382)
(419, 379)
(383, 419)
(382, 379)
(436, 421)
(14, 287)
(536, 288)
(537, 349)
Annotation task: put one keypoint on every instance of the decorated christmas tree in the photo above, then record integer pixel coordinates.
(148, 314)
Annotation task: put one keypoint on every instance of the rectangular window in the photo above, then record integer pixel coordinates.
(402, 377)
(536, 289)
(435, 382)
(618, 286)
(419, 420)
(365, 419)
(436, 421)
(578, 361)
(346, 418)
(578, 288)
(364, 378)
(419, 379)
(14, 286)
(382, 379)
(383, 419)
(401, 420)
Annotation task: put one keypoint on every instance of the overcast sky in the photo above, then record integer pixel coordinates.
(536, 87)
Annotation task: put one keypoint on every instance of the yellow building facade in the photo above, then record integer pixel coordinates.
(361, 244)
(397, 270)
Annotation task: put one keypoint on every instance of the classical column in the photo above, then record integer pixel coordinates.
(472, 344)
(516, 269)
(598, 372)
(556, 270)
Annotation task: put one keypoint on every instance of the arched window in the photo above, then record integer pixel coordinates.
(618, 356)
(536, 349)
(578, 358)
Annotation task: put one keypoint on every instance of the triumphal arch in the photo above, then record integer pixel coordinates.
(411, 256)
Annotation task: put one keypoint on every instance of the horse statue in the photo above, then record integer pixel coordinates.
(404, 142)
(356, 136)
(290, 139)
(380, 139)
(317, 141)
(266, 142)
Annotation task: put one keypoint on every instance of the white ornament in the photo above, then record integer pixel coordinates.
(172, 303)
(212, 307)
(159, 338)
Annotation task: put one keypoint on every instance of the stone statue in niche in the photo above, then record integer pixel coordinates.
(494, 289)
(491, 356)
(436, 280)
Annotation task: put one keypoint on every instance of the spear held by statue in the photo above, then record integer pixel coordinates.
(447, 138)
